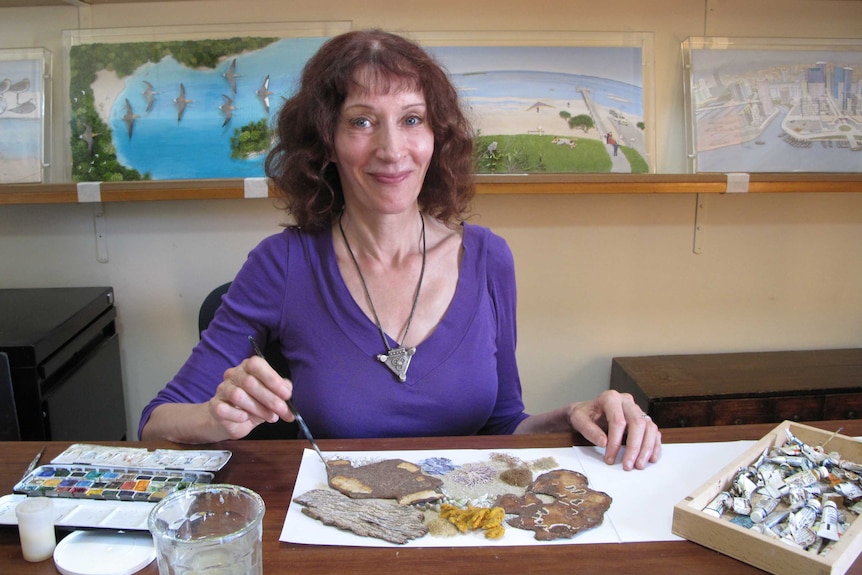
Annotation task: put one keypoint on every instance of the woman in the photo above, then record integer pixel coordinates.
(396, 317)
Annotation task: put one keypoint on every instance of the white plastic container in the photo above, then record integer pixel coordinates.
(36, 528)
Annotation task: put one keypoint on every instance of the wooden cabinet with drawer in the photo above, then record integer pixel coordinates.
(739, 388)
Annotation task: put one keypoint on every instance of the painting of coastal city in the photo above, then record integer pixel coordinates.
(23, 114)
(181, 102)
(774, 105)
(553, 103)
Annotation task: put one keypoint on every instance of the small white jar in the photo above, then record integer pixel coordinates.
(36, 528)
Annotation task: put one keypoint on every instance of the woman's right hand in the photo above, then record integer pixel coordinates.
(250, 394)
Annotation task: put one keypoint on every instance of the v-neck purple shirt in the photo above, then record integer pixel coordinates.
(463, 379)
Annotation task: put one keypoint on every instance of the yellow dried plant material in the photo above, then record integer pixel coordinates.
(489, 519)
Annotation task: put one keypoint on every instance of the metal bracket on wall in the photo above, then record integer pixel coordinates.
(699, 223)
(85, 15)
(101, 233)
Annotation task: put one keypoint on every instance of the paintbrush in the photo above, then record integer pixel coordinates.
(290, 405)
(35, 461)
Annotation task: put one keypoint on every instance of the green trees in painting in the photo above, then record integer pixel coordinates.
(251, 139)
(582, 121)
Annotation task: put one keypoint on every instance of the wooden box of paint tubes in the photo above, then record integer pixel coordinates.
(789, 504)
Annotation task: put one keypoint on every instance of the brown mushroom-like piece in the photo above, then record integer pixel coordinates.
(575, 507)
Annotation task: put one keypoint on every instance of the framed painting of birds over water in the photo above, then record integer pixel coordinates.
(180, 102)
(25, 111)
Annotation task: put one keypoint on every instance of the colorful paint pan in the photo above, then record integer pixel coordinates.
(116, 484)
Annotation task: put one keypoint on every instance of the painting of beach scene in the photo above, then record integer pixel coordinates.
(552, 104)
(774, 105)
(23, 114)
(190, 104)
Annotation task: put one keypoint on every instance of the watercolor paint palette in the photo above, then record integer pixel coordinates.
(85, 471)
(110, 483)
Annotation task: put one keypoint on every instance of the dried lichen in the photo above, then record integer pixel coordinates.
(488, 519)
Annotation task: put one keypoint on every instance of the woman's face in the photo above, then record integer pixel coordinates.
(383, 146)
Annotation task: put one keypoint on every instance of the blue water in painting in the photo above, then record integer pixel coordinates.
(198, 146)
(520, 85)
(20, 139)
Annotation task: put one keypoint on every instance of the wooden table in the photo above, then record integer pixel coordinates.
(270, 468)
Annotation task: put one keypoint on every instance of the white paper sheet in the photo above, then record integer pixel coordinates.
(642, 508)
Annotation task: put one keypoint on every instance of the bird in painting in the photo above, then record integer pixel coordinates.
(263, 93)
(24, 108)
(181, 102)
(129, 117)
(88, 135)
(20, 86)
(231, 75)
(4, 85)
(150, 96)
(227, 109)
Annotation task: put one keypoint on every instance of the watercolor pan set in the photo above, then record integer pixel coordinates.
(123, 484)
(87, 471)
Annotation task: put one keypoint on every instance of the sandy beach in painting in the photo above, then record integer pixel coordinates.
(107, 87)
(545, 119)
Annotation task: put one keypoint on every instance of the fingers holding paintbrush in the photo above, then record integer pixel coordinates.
(294, 411)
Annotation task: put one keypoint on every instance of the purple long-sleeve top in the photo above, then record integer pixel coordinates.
(463, 379)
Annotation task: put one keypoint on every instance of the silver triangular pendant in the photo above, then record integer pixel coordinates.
(398, 360)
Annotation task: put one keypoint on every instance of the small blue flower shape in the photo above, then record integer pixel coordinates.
(437, 465)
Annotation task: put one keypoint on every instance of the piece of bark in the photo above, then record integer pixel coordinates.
(388, 479)
(575, 507)
(367, 518)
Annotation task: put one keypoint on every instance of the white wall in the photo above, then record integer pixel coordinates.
(599, 276)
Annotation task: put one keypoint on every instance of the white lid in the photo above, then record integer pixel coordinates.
(104, 552)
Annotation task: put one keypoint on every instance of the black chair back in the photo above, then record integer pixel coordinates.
(209, 306)
(9, 430)
(272, 352)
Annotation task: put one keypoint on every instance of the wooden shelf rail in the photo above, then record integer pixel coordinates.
(532, 184)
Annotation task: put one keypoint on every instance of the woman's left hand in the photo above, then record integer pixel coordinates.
(608, 419)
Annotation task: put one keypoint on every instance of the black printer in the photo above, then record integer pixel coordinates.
(64, 358)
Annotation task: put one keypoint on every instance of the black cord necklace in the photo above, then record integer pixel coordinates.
(397, 359)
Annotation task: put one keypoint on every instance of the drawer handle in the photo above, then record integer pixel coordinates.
(738, 421)
(851, 414)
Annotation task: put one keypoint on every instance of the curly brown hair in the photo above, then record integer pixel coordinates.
(299, 162)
